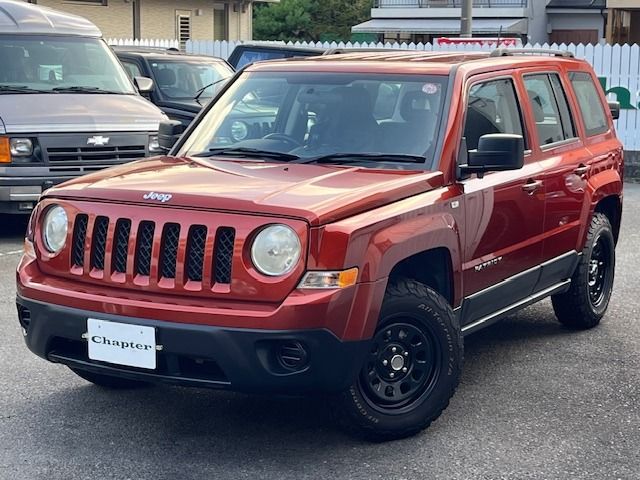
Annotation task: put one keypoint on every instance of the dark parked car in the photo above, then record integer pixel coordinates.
(183, 83)
(247, 53)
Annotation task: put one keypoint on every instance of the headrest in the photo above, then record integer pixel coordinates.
(414, 106)
(536, 105)
(165, 77)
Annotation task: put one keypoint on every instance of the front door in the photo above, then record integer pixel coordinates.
(504, 210)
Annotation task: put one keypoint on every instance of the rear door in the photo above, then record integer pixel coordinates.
(557, 145)
(504, 211)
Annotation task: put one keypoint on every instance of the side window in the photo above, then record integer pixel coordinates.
(591, 109)
(492, 107)
(132, 69)
(550, 108)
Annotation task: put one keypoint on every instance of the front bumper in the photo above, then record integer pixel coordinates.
(20, 194)
(201, 355)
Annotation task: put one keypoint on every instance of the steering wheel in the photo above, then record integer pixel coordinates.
(283, 137)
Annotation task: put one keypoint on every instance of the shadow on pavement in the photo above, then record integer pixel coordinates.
(207, 424)
(13, 226)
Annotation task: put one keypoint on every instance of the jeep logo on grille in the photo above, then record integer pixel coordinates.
(161, 197)
(98, 140)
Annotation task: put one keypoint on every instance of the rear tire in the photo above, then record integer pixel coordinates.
(106, 381)
(585, 303)
(412, 370)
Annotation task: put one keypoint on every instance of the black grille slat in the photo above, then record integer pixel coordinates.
(225, 239)
(121, 246)
(170, 241)
(99, 242)
(144, 246)
(79, 238)
(195, 252)
(87, 154)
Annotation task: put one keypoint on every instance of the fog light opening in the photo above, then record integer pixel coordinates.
(24, 317)
(292, 355)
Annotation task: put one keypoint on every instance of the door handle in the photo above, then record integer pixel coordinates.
(531, 186)
(581, 170)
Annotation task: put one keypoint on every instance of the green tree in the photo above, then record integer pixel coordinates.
(309, 20)
(289, 20)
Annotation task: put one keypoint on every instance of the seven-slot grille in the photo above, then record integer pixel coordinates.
(99, 238)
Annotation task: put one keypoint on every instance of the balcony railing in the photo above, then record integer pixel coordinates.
(447, 3)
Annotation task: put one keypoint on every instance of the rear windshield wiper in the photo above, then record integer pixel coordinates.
(247, 152)
(80, 89)
(20, 89)
(362, 157)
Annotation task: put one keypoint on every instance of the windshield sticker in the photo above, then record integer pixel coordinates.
(430, 88)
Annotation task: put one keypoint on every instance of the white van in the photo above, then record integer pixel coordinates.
(67, 106)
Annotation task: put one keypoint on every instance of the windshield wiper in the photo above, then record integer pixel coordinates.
(201, 91)
(248, 152)
(362, 157)
(20, 89)
(81, 89)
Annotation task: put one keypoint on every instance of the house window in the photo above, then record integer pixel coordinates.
(220, 21)
(183, 27)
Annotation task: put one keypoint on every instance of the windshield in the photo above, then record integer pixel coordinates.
(314, 115)
(185, 78)
(57, 64)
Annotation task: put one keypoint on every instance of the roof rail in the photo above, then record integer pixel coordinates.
(507, 52)
(338, 50)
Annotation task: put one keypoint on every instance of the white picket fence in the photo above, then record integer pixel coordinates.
(619, 64)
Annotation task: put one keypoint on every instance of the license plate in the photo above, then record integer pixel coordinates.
(122, 343)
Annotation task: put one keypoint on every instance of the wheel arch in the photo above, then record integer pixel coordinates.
(605, 192)
(432, 267)
(611, 206)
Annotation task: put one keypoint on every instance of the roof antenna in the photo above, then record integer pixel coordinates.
(499, 36)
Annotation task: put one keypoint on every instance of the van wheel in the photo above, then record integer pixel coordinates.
(586, 301)
(411, 371)
(107, 381)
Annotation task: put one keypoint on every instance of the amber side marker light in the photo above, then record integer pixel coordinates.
(335, 279)
(5, 150)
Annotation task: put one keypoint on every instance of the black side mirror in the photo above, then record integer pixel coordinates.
(168, 134)
(143, 84)
(496, 152)
(615, 109)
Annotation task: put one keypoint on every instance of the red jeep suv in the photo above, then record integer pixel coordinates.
(336, 224)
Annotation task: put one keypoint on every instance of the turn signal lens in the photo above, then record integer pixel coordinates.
(5, 150)
(337, 279)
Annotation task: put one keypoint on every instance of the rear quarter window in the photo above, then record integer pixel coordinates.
(591, 108)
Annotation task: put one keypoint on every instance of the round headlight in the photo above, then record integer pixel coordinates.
(239, 130)
(54, 228)
(276, 250)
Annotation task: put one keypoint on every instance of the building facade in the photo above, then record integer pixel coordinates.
(167, 19)
(532, 21)
(624, 21)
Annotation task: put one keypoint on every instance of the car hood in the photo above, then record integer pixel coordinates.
(318, 194)
(62, 112)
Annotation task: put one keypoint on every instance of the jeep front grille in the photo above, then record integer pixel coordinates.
(179, 253)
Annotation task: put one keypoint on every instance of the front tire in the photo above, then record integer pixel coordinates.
(585, 303)
(412, 369)
(107, 381)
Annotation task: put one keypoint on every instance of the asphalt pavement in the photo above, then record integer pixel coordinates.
(536, 401)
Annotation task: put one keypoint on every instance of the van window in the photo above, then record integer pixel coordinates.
(591, 109)
(65, 64)
(550, 108)
(492, 107)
